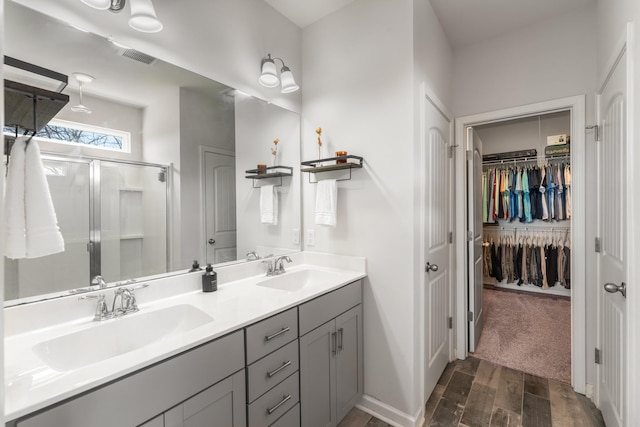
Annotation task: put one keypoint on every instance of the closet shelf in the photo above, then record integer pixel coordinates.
(317, 166)
(271, 172)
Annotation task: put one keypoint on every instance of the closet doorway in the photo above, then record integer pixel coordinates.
(522, 250)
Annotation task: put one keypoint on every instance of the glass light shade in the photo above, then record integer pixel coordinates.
(288, 82)
(98, 4)
(143, 17)
(269, 76)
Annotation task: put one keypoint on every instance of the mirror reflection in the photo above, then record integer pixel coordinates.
(146, 163)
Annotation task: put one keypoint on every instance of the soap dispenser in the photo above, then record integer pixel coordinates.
(209, 280)
(195, 266)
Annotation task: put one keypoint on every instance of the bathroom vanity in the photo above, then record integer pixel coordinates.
(283, 351)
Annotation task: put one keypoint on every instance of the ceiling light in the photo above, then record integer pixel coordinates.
(269, 75)
(143, 14)
(143, 17)
(82, 78)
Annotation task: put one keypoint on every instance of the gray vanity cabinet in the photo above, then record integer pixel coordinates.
(331, 366)
(207, 381)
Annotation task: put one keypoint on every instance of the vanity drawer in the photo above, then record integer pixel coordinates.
(275, 403)
(272, 369)
(326, 307)
(271, 334)
(290, 419)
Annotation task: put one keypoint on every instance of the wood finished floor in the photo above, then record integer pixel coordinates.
(476, 393)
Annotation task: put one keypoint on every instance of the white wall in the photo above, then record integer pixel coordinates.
(257, 124)
(359, 86)
(548, 60)
(612, 18)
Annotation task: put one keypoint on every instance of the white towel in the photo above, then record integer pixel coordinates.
(268, 205)
(43, 235)
(15, 243)
(32, 226)
(327, 202)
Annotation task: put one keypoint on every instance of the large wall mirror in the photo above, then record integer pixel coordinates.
(159, 180)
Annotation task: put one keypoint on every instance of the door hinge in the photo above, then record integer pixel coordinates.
(597, 356)
(451, 237)
(469, 155)
(596, 128)
(450, 322)
(598, 245)
(469, 236)
(470, 316)
(452, 149)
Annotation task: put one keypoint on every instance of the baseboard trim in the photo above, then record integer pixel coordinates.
(389, 414)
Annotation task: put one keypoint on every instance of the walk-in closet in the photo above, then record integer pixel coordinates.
(526, 248)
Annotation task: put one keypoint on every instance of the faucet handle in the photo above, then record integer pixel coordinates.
(102, 311)
(270, 266)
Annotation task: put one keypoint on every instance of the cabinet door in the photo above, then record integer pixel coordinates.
(222, 404)
(349, 369)
(317, 376)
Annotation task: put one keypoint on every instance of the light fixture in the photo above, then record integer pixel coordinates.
(82, 78)
(269, 75)
(143, 14)
(143, 17)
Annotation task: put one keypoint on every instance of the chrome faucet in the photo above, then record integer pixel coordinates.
(99, 281)
(278, 265)
(124, 302)
(252, 256)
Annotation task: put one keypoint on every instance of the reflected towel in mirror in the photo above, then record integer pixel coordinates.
(269, 205)
(31, 221)
(327, 202)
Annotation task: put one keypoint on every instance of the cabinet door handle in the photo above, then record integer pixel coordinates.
(275, 371)
(282, 402)
(280, 332)
(340, 333)
(333, 343)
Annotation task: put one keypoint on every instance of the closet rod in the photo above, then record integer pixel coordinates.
(517, 162)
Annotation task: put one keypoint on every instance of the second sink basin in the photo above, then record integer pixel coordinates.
(118, 336)
(301, 279)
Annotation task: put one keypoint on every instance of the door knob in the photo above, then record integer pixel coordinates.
(613, 288)
(430, 267)
(212, 241)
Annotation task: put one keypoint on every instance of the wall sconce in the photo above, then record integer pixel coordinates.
(269, 76)
(143, 14)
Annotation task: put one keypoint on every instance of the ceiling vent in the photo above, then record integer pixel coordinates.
(136, 55)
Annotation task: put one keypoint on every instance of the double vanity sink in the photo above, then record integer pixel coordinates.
(51, 360)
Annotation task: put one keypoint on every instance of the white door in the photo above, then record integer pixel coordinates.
(437, 224)
(612, 231)
(220, 207)
(474, 233)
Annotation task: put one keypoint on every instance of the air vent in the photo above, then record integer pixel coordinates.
(136, 55)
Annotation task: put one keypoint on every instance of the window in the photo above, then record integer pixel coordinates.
(66, 132)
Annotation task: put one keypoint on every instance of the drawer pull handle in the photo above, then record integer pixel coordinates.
(282, 402)
(284, 365)
(282, 331)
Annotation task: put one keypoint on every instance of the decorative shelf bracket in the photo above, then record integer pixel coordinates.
(268, 173)
(317, 166)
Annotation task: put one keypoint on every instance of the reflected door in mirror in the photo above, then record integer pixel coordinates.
(220, 207)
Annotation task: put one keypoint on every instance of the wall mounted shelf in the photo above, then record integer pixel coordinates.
(322, 165)
(269, 172)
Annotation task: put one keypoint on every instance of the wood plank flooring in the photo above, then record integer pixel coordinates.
(477, 393)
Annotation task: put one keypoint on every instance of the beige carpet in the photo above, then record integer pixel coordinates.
(527, 332)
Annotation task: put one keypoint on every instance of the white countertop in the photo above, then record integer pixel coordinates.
(31, 385)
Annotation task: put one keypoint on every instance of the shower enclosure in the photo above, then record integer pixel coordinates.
(113, 217)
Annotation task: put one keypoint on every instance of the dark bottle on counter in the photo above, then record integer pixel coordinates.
(209, 280)
(195, 266)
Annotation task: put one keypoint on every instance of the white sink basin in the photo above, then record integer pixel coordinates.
(118, 336)
(301, 279)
